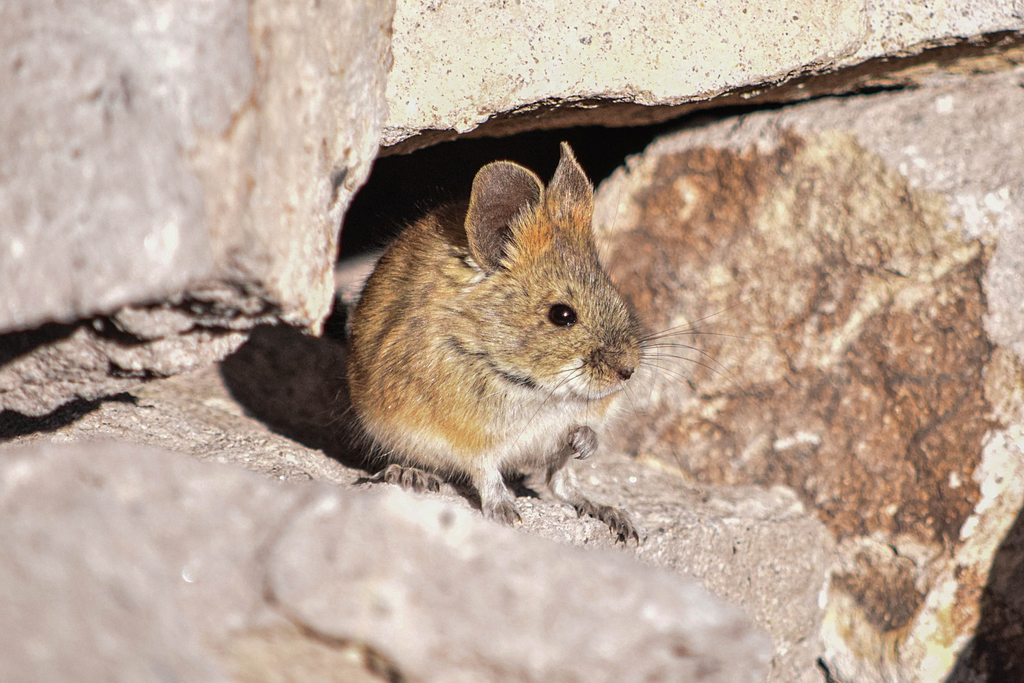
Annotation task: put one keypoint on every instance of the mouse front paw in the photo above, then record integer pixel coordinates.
(408, 478)
(582, 441)
(617, 520)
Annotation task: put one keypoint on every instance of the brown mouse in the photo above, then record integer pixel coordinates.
(489, 340)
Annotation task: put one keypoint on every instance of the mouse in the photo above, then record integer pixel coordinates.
(489, 341)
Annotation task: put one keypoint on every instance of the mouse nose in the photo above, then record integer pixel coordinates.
(625, 373)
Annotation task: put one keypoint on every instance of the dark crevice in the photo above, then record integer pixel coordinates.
(435, 167)
(13, 345)
(143, 375)
(13, 424)
(826, 672)
(404, 187)
(995, 652)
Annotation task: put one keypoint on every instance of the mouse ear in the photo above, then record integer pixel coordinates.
(501, 191)
(569, 187)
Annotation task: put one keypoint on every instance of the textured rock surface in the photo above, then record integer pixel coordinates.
(194, 414)
(458, 64)
(853, 410)
(200, 157)
(457, 599)
(757, 549)
(852, 270)
(112, 570)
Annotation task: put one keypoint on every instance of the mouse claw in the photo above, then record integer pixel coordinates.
(583, 442)
(505, 512)
(618, 521)
(408, 478)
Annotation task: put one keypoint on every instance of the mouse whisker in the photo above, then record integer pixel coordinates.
(658, 337)
(710, 357)
(724, 373)
(672, 372)
(693, 323)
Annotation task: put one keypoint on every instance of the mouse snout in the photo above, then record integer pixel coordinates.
(617, 362)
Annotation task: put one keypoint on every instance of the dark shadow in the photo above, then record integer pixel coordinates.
(296, 385)
(403, 187)
(14, 424)
(16, 344)
(996, 653)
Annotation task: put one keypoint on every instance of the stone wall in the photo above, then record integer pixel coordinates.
(830, 453)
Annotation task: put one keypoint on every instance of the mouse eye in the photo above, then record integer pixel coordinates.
(562, 315)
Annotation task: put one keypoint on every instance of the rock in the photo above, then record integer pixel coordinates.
(846, 322)
(526, 66)
(462, 599)
(112, 569)
(297, 385)
(128, 563)
(65, 361)
(195, 414)
(737, 543)
(172, 177)
(756, 548)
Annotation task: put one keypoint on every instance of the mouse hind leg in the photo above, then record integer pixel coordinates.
(580, 443)
(496, 501)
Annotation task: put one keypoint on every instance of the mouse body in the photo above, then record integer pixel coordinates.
(489, 340)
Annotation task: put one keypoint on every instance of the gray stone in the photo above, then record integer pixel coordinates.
(601, 62)
(454, 598)
(193, 413)
(124, 563)
(112, 569)
(757, 549)
(85, 364)
(199, 157)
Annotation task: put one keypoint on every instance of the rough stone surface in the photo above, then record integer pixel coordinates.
(757, 549)
(194, 414)
(837, 450)
(82, 360)
(525, 65)
(462, 600)
(112, 570)
(843, 281)
(196, 156)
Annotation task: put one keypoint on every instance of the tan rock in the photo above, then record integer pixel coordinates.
(833, 333)
(520, 66)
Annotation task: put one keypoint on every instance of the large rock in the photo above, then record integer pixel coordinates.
(521, 66)
(123, 563)
(739, 544)
(173, 175)
(844, 280)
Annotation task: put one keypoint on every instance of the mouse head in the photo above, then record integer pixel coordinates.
(549, 314)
